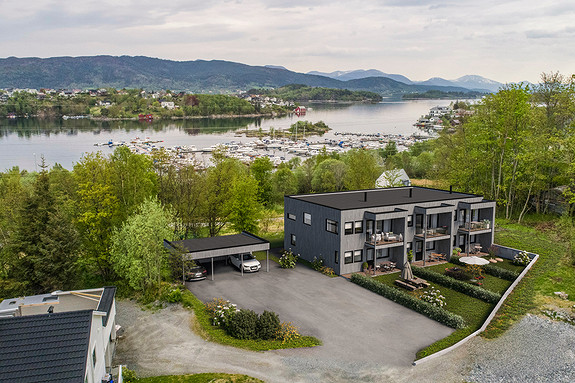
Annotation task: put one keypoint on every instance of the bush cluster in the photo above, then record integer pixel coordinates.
(493, 270)
(317, 264)
(434, 297)
(287, 332)
(454, 284)
(436, 313)
(457, 273)
(327, 271)
(242, 324)
(288, 260)
(521, 259)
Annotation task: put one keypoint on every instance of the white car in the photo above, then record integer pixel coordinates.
(250, 263)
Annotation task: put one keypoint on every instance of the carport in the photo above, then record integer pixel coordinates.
(213, 247)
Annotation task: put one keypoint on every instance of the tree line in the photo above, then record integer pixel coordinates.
(105, 220)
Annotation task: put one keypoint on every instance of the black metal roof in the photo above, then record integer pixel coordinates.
(214, 243)
(106, 301)
(45, 348)
(360, 199)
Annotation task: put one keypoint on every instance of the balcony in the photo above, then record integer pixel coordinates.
(385, 239)
(431, 233)
(475, 226)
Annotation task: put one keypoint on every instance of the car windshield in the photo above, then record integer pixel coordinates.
(196, 269)
(247, 257)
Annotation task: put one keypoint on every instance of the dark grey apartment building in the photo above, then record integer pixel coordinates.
(348, 228)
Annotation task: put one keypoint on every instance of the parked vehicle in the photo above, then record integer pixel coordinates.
(196, 273)
(250, 263)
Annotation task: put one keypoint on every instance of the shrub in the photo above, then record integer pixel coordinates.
(243, 324)
(328, 271)
(287, 332)
(493, 270)
(521, 259)
(317, 264)
(456, 251)
(268, 325)
(436, 313)
(221, 311)
(288, 260)
(457, 273)
(434, 297)
(454, 284)
(128, 376)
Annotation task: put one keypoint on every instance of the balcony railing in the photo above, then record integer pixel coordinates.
(433, 232)
(385, 238)
(476, 225)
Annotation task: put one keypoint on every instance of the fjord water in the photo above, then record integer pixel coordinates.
(24, 141)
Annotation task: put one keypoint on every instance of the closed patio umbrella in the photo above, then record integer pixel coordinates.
(473, 260)
(406, 273)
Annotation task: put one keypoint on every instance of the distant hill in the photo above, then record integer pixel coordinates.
(198, 76)
(360, 73)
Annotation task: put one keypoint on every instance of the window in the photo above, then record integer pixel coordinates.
(410, 220)
(293, 239)
(472, 239)
(419, 220)
(347, 257)
(348, 226)
(357, 255)
(94, 356)
(475, 215)
(307, 218)
(382, 253)
(462, 215)
(291, 216)
(369, 254)
(455, 215)
(336, 257)
(331, 226)
(430, 246)
(358, 227)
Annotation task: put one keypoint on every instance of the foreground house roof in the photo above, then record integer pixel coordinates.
(45, 348)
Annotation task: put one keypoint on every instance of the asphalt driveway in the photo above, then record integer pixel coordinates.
(355, 325)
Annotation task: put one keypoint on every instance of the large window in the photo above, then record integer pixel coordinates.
(358, 227)
(430, 245)
(357, 255)
(419, 220)
(348, 257)
(348, 226)
(293, 239)
(369, 254)
(307, 218)
(331, 226)
(291, 216)
(462, 214)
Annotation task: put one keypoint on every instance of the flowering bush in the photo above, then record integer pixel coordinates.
(317, 264)
(221, 311)
(287, 332)
(328, 271)
(434, 297)
(288, 260)
(521, 259)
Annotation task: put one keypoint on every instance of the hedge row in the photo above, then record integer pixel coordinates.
(454, 284)
(493, 270)
(436, 313)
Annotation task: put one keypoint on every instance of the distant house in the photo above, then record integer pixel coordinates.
(392, 178)
(168, 105)
(65, 336)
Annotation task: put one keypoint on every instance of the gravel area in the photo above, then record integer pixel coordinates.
(162, 342)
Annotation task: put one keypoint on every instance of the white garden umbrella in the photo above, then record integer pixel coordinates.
(473, 260)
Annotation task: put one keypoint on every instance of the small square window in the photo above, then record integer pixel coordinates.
(358, 227)
(348, 257)
(291, 216)
(410, 220)
(331, 226)
(358, 255)
(293, 239)
(307, 218)
(348, 228)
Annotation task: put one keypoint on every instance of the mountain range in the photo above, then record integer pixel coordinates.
(202, 76)
(471, 82)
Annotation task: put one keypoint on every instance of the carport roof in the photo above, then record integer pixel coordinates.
(224, 245)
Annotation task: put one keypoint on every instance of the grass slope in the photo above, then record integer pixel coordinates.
(201, 378)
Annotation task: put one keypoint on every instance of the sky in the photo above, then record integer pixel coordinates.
(506, 41)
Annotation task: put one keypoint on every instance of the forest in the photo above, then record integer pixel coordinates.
(298, 92)
(104, 221)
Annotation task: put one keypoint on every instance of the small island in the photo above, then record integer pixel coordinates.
(304, 93)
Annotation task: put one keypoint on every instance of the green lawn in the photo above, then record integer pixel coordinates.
(552, 272)
(276, 239)
(507, 264)
(491, 283)
(201, 378)
(473, 310)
